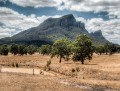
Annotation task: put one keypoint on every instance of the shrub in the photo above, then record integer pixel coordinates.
(77, 69)
(48, 63)
(73, 70)
(47, 67)
(17, 65)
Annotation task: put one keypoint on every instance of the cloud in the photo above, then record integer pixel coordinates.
(37, 3)
(4, 1)
(13, 19)
(109, 28)
(6, 32)
(110, 6)
(11, 22)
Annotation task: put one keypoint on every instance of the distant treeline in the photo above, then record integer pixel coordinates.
(79, 50)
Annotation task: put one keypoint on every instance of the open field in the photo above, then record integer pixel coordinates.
(102, 73)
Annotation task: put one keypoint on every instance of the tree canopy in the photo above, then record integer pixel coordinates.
(62, 49)
(82, 48)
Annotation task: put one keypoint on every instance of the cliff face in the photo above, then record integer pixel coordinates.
(53, 29)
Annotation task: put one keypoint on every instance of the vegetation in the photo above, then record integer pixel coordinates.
(82, 49)
(61, 48)
(22, 49)
(46, 49)
(4, 50)
(78, 50)
(14, 49)
(47, 67)
(107, 49)
(100, 50)
(31, 49)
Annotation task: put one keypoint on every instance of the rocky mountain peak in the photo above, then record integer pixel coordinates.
(68, 17)
(67, 20)
(98, 34)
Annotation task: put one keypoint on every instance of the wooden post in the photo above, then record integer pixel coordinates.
(33, 71)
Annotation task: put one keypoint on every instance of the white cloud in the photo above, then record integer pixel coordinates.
(110, 28)
(12, 22)
(13, 19)
(4, 1)
(6, 32)
(37, 3)
(110, 6)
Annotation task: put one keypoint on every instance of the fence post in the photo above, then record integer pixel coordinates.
(33, 71)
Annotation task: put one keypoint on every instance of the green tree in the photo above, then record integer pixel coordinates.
(112, 49)
(4, 50)
(14, 49)
(22, 50)
(118, 49)
(100, 50)
(61, 48)
(106, 48)
(31, 49)
(46, 49)
(82, 49)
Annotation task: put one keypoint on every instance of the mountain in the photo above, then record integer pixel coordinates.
(98, 38)
(53, 29)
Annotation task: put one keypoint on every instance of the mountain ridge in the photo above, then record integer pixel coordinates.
(52, 29)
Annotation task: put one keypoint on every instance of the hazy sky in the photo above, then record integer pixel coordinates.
(19, 15)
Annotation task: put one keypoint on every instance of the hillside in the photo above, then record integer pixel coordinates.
(53, 29)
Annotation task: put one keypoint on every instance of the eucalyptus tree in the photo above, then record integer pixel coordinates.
(62, 49)
(82, 49)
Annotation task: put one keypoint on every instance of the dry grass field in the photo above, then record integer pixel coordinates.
(102, 73)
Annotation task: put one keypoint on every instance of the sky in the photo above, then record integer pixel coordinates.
(20, 15)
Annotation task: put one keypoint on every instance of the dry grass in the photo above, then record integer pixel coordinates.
(23, 82)
(102, 71)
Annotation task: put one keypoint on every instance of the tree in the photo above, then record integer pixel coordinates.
(61, 48)
(4, 50)
(14, 49)
(22, 49)
(46, 49)
(100, 50)
(112, 49)
(106, 48)
(31, 49)
(82, 49)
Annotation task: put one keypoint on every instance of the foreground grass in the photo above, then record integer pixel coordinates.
(103, 72)
(23, 82)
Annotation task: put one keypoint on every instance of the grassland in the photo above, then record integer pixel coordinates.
(102, 73)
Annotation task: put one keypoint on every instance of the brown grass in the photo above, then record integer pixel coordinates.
(102, 71)
(23, 82)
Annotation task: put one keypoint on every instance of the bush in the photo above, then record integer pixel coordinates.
(48, 63)
(17, 65)
(77, 69)
(13, 65)
(47, 67)
(73, 70)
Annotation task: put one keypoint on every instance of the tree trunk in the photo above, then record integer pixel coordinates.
(106, 53)
(82, 61)
(60, 59)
